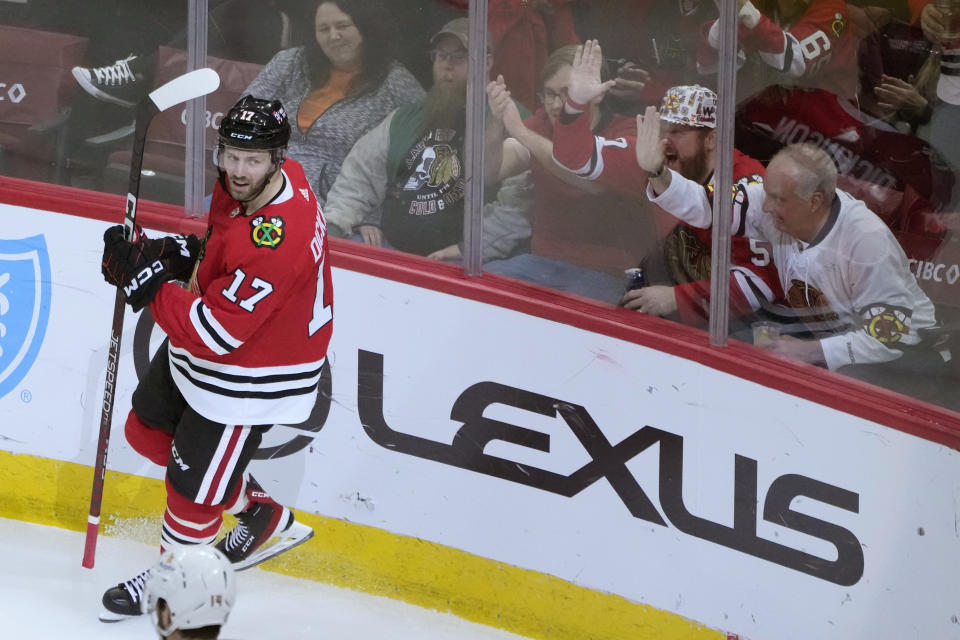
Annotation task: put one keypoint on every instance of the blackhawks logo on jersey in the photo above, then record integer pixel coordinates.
(838, 24)
(688, 258)
(886, 324)
(813, 303)
(267, 233)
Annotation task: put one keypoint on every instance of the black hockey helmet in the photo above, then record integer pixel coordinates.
(254, 123)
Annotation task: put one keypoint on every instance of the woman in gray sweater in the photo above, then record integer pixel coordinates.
(337, 88)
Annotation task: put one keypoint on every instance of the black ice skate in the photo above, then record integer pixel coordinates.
(117, 83)
(264, 529)
(123, 601)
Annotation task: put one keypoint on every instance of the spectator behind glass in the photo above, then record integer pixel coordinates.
(689, 139)
(897, 76)
(402, 184)
(808, 43)
(843, 273)
(338, 87)
(584, 234)
(818, 98)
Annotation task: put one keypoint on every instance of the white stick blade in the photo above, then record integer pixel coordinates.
(186, 87)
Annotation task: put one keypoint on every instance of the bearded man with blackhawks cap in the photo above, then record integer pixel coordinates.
(248, 326)
(688, 117)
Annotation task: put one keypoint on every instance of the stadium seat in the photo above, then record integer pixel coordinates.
(163, 161)
(36, 87)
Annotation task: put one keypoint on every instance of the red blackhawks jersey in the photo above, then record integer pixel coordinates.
(820, 48)
(250, 347)
(829, 42)
(753, 277)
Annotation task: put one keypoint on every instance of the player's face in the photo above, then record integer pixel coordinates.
(686, 150)
(554, 92)
(246, 171)
(338, 37)
(790, 213)
(450, 61)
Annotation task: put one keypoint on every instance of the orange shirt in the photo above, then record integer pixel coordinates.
(321, 99)
(916, 6)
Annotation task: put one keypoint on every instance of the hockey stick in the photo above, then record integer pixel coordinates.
(186, 87)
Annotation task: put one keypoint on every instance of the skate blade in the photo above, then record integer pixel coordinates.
(295, 535)
(109, 616)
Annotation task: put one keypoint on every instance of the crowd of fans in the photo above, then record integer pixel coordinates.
(856, 95)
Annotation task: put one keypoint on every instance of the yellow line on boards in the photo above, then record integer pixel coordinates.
(359, 557)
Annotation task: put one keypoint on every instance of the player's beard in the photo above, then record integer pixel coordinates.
(445, 106)
(249, 191)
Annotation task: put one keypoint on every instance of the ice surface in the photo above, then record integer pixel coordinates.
(46, 594)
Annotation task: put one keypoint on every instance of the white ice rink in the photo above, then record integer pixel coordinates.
(46, 595)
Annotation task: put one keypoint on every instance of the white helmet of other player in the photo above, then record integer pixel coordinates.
(690, 105)
(196, 583)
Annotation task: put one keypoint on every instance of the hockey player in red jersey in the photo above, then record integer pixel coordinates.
(689, 114)
(247, 342)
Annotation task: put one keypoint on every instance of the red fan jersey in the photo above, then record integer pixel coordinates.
(613, 162)
(829, 42)
(753, 276)
(819, 49)
(250, 348)
(561, 231)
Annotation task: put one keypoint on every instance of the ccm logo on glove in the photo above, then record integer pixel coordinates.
(146, 273)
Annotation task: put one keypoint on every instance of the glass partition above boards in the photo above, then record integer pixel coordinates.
(599, 134)
(851, 108)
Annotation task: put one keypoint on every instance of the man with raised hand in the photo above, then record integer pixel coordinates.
(839, 264)
(689, 131)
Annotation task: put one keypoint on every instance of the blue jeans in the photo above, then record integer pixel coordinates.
(562, 276)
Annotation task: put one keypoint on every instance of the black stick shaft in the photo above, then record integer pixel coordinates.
(145, 113)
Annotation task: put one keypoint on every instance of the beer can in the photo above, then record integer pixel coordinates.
(635, 278)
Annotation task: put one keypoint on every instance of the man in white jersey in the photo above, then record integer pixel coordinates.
(841, 269)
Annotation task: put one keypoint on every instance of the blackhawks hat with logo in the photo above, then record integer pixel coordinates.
(690, 105)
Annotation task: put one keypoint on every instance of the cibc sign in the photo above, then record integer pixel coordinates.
(14, 92)
(935, 271)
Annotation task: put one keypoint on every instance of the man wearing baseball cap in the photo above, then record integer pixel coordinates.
(402, 185)
(688, 127)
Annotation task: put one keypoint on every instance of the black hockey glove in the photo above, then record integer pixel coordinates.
(179, 253)
(139, 268)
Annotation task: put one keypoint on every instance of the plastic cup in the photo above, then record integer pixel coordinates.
(764, 333)
(951, 11)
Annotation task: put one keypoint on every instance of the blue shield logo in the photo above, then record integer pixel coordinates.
(24, 306)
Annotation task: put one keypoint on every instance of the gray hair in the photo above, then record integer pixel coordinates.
(814, 170)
